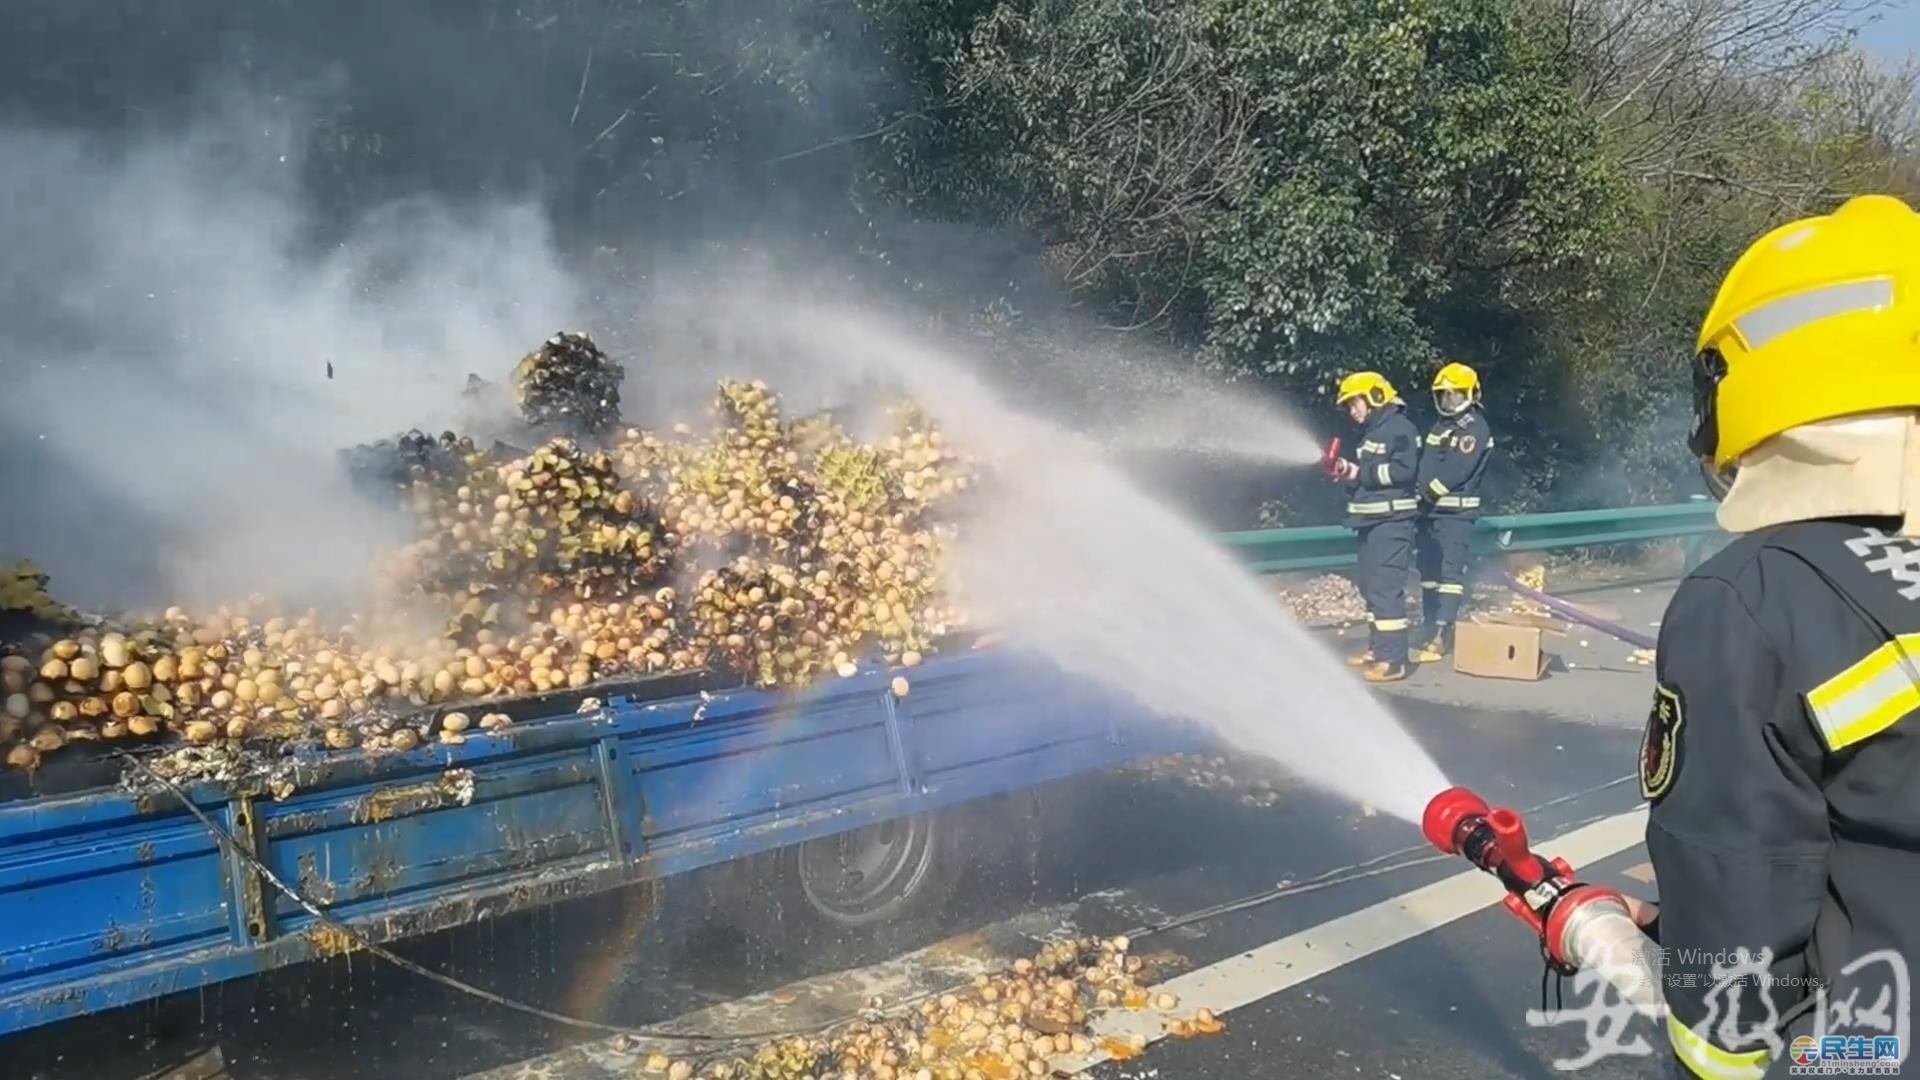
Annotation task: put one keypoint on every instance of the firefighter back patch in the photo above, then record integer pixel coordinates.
(1660, 744)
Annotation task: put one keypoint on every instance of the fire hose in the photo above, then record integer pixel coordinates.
(1580, 925)
(1568, 611)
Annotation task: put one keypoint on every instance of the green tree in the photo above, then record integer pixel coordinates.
(1732, 116)
(1295, 186)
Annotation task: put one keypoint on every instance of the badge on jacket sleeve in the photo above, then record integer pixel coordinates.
(1660, 745)
(1466, 444)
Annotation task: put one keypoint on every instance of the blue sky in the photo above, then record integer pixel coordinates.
(1897, 33)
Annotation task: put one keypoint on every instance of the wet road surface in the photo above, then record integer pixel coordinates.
(1098, 855)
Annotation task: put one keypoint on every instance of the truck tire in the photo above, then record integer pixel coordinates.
(882, 873)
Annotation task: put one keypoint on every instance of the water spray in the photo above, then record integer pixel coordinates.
(1580, 925)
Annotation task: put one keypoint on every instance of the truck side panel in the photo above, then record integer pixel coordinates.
(742, 765)
(373, 847)
(964, 731)
(111, 898)
(80, 895)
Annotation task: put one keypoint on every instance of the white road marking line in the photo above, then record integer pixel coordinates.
(1642, 872)
(1222, 987)
(1279, 965)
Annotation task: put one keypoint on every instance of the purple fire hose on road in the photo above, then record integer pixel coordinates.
(1631, 637)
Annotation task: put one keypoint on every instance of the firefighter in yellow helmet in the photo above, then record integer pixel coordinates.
(1382, 508)
(1452, 461)
(1781, 756)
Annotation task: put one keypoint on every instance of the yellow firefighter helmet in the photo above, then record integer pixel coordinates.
(1368, 384)
(1819, 319)
(1456, 378)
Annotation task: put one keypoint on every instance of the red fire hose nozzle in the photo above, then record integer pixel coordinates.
(1541, 893)
(1330, 461)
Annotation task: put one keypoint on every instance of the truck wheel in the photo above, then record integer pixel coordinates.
(858, 879)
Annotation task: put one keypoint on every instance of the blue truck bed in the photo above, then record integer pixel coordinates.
(109, 897)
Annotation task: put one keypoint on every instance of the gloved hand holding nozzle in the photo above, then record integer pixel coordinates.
(1336, 467)
(1580, 925)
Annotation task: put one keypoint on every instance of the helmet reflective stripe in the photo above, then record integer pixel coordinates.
(1790, 313)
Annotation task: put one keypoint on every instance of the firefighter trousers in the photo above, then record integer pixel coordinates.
(1386, 554)
(1444, 540)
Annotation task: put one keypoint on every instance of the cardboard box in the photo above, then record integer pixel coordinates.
(1547, 623)
(1494, 651)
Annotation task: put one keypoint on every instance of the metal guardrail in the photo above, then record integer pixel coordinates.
(1325, 547)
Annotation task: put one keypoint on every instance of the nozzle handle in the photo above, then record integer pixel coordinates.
(1510, 834)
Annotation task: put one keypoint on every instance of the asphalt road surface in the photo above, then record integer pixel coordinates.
(1400, 967)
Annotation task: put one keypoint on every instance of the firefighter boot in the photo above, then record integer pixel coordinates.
(1364, 659)
(1437, 647)
(1381, 672)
